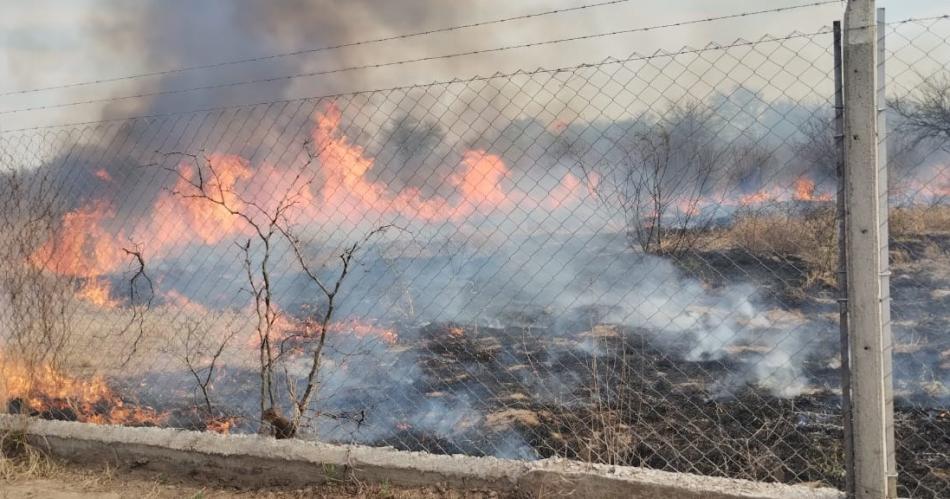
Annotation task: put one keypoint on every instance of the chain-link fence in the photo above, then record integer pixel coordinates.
(629, 262)
(919, 182)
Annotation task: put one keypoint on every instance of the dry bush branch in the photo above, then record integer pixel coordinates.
(271, 225)
(926, 113)
(201, 354)
(36, 305)
(302, 402)
(206, 185)
(139, 308)
(667, 166)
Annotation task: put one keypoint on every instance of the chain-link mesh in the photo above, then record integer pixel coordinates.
(918, 85)
(630, 262)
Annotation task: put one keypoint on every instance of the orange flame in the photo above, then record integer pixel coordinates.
(345, 189)
(98, 292)
(211, 222)
(103, 174)
(85, 247)
(204, 221)
(760, 197)
(363, 329)
(47, 391)
(220, 425)
(934, 188)
(82, 247)
(805, 191)
(286, 326)
(478, 184)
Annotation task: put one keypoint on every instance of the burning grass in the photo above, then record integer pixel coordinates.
(618, 397)
(45, 391)
(612, 390)
(634, 403)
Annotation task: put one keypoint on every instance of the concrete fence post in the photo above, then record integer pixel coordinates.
(840, 215)
(864, 243)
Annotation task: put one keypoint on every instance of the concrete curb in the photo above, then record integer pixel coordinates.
(255, 461)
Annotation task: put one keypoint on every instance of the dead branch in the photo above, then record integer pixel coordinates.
(926, 113)
(138, 311)
(302, 403)
(667, 166)
(193, 356)
(267, 223)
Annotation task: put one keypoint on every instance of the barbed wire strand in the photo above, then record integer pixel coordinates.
(399, 37)
(607, 61)
(400, 62)
(541, 70)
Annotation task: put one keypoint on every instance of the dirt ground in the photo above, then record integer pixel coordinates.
(70, 482)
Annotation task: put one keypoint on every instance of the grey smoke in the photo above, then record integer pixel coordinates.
(180, 33)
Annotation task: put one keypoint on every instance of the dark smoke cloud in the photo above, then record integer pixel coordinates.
(180, 33)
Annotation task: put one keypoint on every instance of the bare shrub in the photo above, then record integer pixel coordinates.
(925, 114)
(206, 184)
(270, 226)
(201, 351)
(35, 306)
(666, 167)
(315, 340)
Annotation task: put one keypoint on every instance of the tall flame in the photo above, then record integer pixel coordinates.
(805, 191)
(98, 292)
(200, 220)
(478, 183)
(82, 247)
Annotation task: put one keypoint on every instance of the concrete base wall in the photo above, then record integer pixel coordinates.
(255, 461)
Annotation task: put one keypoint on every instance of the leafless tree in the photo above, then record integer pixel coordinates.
(667, 165)
(270, 226)
(817, 149)
(317, 339)
(923, 127)
(926, 113)
(206, 184)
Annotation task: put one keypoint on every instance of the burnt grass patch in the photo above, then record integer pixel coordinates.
(580, 388)
(920, 295)
(607, 394)
(634, 403)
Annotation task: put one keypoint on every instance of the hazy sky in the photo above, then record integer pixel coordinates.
(50, 42)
